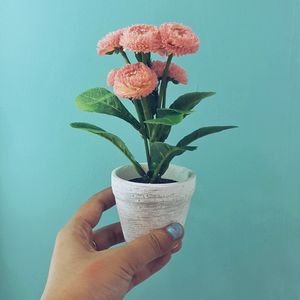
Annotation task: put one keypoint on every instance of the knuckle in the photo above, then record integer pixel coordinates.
(125, 265)
(155, 243)
(83, 224)
(126, 271)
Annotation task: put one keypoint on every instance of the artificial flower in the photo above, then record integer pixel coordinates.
(134, 81)
(141, 38)
(178, 39)
(175, 72)
(109, 43)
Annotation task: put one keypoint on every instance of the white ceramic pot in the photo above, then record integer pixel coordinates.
(143, 206)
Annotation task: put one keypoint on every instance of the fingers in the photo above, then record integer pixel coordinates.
(147, 248)
(112, 234)
(90, 212)
(108, 236)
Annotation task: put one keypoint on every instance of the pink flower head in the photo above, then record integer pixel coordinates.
(178, 39)
(141, 38)
(134, 81)
(111, 77)
(109, 43)
(175, 73)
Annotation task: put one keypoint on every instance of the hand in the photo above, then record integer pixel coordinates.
(83, 265)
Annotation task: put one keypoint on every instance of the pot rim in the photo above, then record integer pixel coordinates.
(192, 176)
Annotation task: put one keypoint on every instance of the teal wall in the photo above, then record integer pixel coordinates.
(243, 232)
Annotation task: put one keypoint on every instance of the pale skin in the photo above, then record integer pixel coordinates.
(83, 265)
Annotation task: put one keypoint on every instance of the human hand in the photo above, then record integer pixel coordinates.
(83, 265)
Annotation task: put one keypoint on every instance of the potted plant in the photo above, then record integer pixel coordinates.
(152, 194)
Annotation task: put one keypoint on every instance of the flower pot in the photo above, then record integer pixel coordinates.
(144, 206)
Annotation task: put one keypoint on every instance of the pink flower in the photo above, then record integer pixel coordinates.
(141, 38)
(111, 77)
(178, 39)
(134, 81)
(175, 73)
(110, 42)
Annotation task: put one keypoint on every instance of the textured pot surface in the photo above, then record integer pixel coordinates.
(143, 207)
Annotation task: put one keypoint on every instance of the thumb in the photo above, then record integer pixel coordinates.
(146, 248)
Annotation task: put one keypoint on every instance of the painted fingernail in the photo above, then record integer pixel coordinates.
(175, 230)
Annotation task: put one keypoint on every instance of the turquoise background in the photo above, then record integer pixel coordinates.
(242, 234)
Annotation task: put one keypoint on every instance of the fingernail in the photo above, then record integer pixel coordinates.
(175, 230)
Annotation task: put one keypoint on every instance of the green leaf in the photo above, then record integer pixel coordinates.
(112, 138)
(190, 100)
(184, 103)
(200, 133)
(103, 101)
(161, 156)
(160, 132)
(167, 116)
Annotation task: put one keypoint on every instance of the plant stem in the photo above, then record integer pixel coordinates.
(146, 108)
(125, 56)
(155, 176)
(138, 56)
(146, 58)
(165, 96)
(141, 118)
(147, 116)
(164, 80)
(147, 152)
(157, 128)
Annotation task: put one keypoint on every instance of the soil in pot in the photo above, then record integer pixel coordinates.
(161, 180)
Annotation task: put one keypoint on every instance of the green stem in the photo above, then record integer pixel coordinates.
(164, 80)
(125, 56)
(155, 175)
(141, 118)
(147, 153)
(146, 108)
(146, 58)
(165, 96)
(147, 116)
(157, 128)
(138, 56)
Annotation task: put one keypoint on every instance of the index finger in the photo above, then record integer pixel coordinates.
(91, 211)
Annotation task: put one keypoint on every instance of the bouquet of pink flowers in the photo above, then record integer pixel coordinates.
(145, 83)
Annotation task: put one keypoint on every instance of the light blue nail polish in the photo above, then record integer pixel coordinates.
(175, 230)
